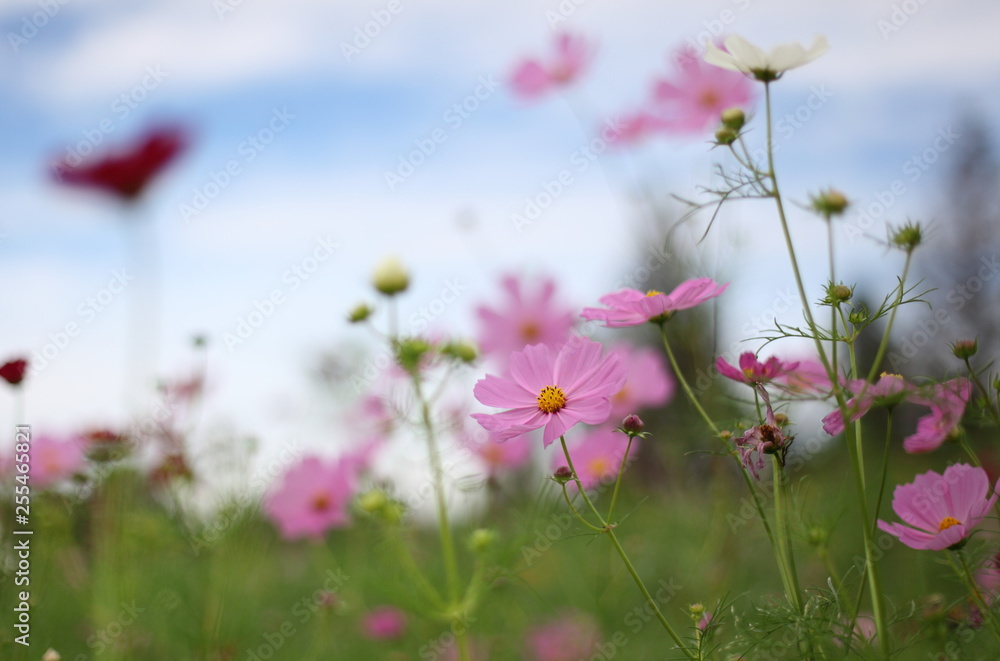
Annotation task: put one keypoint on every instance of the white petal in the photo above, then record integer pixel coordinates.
(720, 58)
(748, 56)
(786, 56)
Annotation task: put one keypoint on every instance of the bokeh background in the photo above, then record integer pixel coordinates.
(317, 101)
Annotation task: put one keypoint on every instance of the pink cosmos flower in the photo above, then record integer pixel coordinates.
(384, 623)
(597, 456)
(570, 637)
(947, 404)
(647, 383)
(988, 577)
(753, 372)
(521, 320)
(630, 307)
(695, 98)
(551, 388)
(703, 623)
(54, 459)
(312, 498)
(497, 455)
(633, 127)
(808, 378)
(941, 510)
(532, 78)
(889, 390)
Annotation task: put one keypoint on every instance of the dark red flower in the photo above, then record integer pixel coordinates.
(127, 172)
(13, 371)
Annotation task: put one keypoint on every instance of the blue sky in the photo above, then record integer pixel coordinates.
(339, 123)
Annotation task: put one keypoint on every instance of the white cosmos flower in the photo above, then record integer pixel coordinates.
(744, 56)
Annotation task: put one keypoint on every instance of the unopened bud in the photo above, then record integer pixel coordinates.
(632, 425)
(462, 351)
(733, 118)
(817, 536)
(907, 237)
(390, 277)
(482, 539)
(360, 313)
(830, 203)
(726, 136)
(562, 475)
(964, 349)
(841, 293)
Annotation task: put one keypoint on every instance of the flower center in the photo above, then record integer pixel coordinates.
(600, 467)
(709, 98)
(551, 399)
(320, 502)
(653, 292)
(529, 332)
(948, 522)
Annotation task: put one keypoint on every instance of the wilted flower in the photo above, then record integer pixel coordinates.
(551, 388)
(748, 58)
(941, 510)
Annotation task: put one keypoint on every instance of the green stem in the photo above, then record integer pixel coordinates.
(694, 401)
(885, 472)
(884, 344)
(608, 530)
(618, 481)
(786, 559)
(410, 565)
(966, 577)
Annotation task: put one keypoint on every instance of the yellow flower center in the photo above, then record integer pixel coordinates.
(653, 292)
(709, 98)
(551, 399)
(320, 502)
(529, 332)
(948, 522)
(600, 467)
(895, 376)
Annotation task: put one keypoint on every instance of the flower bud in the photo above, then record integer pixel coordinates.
(51, 655)
(562, 475)
(390, 278)
(964, 349)
(781, 419)
(372, 501)
(696, 610)
(817, 536)
(830, 203)
(907, 237)
(481, 539)
(409, 353)
(462, 351)
(633, 425)
(726, 136)
(360, 313)
(13, 371)
(733, 118)
(841, 293)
